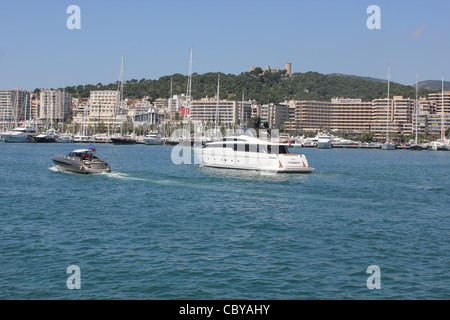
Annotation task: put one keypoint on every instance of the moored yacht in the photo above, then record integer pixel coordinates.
(437, 146)
(123, 140)
(388, 146)
(46, 137)
(324, 141)
(20, 134)
(250, 153)
(153, 138)
(64, 138)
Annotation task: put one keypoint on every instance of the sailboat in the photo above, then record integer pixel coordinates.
(416, 146)
(387, 145)
(121, 139)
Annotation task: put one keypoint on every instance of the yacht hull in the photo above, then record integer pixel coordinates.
(388, 146)
(281, 163)
(324, 145)
(16, 139)
(123, 141)
(152, 142)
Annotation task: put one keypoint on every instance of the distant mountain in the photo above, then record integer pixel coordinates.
(433, 85)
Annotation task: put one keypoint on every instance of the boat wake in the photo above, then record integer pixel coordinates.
(54, 169)
(121, 175)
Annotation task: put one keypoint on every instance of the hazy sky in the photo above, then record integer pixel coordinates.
(37, 50)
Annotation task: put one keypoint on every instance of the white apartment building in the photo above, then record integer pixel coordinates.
(15, 106)
(104, 104)
(55, 106)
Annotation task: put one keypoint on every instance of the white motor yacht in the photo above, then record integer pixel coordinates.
(20, 134)
(153, 138)
(250, 153)
(324, 141)
(64, 138)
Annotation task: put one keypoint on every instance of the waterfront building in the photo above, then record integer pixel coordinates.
(274, 114)
(147, 117)
(244, 111)
(343, 115)
(161, 103)
(104, 104)
(398, 118)
(256, 110)
(208, 110)
(15, 107)
(175, 103)
(55, 106)
(436, 100)
(434, 123)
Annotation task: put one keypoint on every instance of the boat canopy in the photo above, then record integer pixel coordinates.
(82, 151)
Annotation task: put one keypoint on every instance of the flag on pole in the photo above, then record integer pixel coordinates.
(91, 147)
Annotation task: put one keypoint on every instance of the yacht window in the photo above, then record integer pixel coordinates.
(247, 148)
(235, 147)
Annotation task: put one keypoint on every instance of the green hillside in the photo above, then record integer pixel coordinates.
(264, 88)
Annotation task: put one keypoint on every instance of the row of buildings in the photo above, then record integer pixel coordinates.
(49, 108)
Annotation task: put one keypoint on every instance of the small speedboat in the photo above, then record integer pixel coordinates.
(81, 161)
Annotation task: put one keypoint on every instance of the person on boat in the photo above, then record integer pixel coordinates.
(85, 155)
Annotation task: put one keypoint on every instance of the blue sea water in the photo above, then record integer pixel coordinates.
(155, 230)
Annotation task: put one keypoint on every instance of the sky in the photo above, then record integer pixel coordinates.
(38, 50)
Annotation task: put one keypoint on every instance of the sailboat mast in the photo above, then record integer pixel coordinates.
(217, 101)
(189, 84)
(62, 109)
(417, 106)
(388, 105)
(120, 93)
(442, 118)
(242, 109)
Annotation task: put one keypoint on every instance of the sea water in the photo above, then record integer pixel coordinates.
(152, 229)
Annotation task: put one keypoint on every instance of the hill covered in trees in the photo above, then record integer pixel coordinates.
(433, 85)
(264, 87)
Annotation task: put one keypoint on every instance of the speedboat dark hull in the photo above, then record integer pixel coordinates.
(75, 165)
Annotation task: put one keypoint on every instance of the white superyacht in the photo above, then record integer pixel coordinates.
(250, 153)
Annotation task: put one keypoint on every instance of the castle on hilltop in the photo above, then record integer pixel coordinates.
(287, 65)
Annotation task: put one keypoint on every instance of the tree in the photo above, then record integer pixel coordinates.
(366, 137)
(256, 122)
